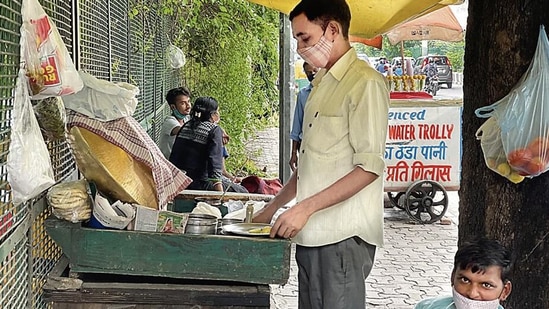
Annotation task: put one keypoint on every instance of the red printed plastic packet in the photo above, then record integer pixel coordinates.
(50, 70)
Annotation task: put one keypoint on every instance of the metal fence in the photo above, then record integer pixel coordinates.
(105, 42)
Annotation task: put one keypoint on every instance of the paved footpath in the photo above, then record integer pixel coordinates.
(414, 264)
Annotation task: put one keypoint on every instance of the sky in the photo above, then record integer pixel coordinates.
(461, 13)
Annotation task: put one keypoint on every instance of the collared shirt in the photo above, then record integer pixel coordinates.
(446, 302)
(297, 126)
(345, 126)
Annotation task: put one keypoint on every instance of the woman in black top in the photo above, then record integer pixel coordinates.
(198, 146)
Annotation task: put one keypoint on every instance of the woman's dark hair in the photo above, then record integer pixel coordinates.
(202, 110)
(322, 12)
(175, 92)
(482, 253)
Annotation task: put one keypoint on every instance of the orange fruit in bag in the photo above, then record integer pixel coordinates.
(540, 147)
(519, 158)
(535, 166)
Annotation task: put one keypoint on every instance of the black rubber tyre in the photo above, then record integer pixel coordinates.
(426, 201)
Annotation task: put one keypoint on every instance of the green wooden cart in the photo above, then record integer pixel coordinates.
(242, 265)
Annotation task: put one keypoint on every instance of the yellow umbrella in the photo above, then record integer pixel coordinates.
(373, 17)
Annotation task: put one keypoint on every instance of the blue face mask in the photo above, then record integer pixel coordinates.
(178, 115)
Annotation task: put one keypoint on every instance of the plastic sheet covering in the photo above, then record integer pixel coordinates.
(103, 100)
(523, 116)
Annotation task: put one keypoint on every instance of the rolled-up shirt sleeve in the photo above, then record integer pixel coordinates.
(368, 111)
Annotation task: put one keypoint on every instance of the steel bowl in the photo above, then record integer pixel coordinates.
(226, 221)
(201, 224)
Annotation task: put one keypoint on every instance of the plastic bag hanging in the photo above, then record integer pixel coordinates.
(523, 116)
(49, 66)
(28, 163)
(175, 57)
(103, 100)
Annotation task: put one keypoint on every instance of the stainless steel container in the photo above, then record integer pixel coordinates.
(201, 224)
(226, 221)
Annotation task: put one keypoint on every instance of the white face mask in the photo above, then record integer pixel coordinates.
(462, 302)
(319, 54)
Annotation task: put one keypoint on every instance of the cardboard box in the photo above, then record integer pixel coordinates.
(171, 222)
(163, 221)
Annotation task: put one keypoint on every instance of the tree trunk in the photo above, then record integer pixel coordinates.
(500, 42)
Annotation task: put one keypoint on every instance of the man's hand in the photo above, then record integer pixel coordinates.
(225, 137)
(293, 161)
(290, 222)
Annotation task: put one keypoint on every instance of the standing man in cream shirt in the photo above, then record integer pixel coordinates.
(337, 222)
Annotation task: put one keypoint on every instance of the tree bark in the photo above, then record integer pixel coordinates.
(501, 39)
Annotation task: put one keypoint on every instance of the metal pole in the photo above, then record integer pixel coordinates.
(76, 34)
(286, 97)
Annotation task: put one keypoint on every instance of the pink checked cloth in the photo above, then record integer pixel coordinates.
(128, 134)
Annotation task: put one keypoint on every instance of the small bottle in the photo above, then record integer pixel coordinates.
(249, 212)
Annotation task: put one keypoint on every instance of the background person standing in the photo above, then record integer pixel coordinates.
(297, 129)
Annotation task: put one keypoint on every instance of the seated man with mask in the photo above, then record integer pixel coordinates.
(480, 278)
(179, 100)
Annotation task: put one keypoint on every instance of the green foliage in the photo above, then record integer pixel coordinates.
(411, 49)
(453, 50)
(232, 55)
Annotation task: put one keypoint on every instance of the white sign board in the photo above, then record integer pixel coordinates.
(423, 143)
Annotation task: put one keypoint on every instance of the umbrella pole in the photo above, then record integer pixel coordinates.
(402, 56)
(403, 66)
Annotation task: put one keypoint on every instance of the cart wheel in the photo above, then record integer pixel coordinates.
(426, 201)
(397, 199)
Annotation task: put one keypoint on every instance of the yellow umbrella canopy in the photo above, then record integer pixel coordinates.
(370, 18)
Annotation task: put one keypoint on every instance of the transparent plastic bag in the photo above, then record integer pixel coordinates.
(50, 69)
(71, 200)
(523, 116)
(175, 57)
(51, 117)
(28, 163)
(489, 135)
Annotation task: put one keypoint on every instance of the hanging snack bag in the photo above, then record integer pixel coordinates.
(51, 117)
(50, 70)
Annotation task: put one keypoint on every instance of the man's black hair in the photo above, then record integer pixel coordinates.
(481, 253)
(322, 12)
(175, 92)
